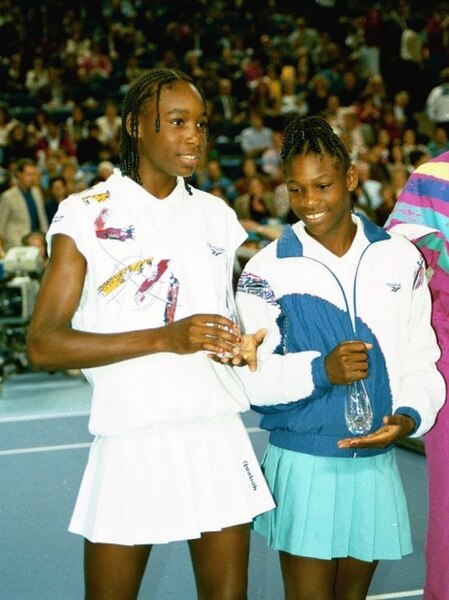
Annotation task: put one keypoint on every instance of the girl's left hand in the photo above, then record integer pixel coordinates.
(245, 353)
(394, 428)
(248, 350)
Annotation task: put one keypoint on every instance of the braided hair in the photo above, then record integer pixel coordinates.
(312, 135)
(147, 86)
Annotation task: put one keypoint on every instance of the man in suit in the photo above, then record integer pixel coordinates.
(227, 113)
(22, 206)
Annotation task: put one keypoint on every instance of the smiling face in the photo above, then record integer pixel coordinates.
(319, 194)
(176, 149)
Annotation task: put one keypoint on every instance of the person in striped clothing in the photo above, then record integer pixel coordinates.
(421, 214)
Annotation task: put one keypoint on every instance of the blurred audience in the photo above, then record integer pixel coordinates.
(378, 74)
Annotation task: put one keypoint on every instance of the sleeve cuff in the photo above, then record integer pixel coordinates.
(319, 374)
(413, 414)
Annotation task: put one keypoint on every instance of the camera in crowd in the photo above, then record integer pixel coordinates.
(20, 271)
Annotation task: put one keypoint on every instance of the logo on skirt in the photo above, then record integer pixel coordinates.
(250, 475)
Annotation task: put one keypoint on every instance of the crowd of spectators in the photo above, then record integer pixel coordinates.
(377, 72)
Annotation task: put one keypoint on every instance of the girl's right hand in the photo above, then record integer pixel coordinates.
(348, 362)
(211, 333)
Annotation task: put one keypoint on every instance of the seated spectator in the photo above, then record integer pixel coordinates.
(104, 170)
(334, 68)
(281, 205)
(403, 114)
(376, 88)
(90, 150)
(317, 94)
(256, 213)
(274, 82)
(367, 193)
(303, 37)
(439, 141)
(20, 144)
(36, 77)
(109, 122)
(250, 169)
(52, 168)
(76, 179)
(57, 192)
(357, 136)
(227, 113)
(410, 143)
(55, 96)
(256, 138)
(14, 77)
(191, 64)
(56, 138)
(263, 102)
(396, 158)
(131, 73)
(6, 124)
(389, 196)
(37, 239)
(253, 70)
(367, 112)
(437, 102)
(388, 122)
(382, 143)
(212, 177)
(332, 112)
(271, 161)
(37, 127)
(292, 102)
(76, 124)
(351, 89)
(398, 177)
(96, 64)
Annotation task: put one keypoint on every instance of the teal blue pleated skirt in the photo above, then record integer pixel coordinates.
(330, 507)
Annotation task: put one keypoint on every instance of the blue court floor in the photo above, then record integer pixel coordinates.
(43, 449)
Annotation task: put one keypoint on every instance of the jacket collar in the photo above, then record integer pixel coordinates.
(289, 245)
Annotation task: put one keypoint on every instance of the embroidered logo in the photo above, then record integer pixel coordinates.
(250, 475)
(216, 251)
(394, 287)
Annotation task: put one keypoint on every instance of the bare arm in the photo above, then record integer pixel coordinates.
(53, 345)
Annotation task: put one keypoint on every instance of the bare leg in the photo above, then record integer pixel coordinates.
(307, 578)
(114, 572)
(315, 579)
(353, 578)
(220, 563)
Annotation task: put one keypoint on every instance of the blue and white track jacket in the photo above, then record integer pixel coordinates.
(305, 309)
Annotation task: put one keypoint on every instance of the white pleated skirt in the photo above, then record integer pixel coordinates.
(169, 484)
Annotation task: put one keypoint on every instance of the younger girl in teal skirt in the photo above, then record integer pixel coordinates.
(343, 301)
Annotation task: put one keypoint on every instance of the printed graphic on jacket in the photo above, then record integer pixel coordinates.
(151, 282)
